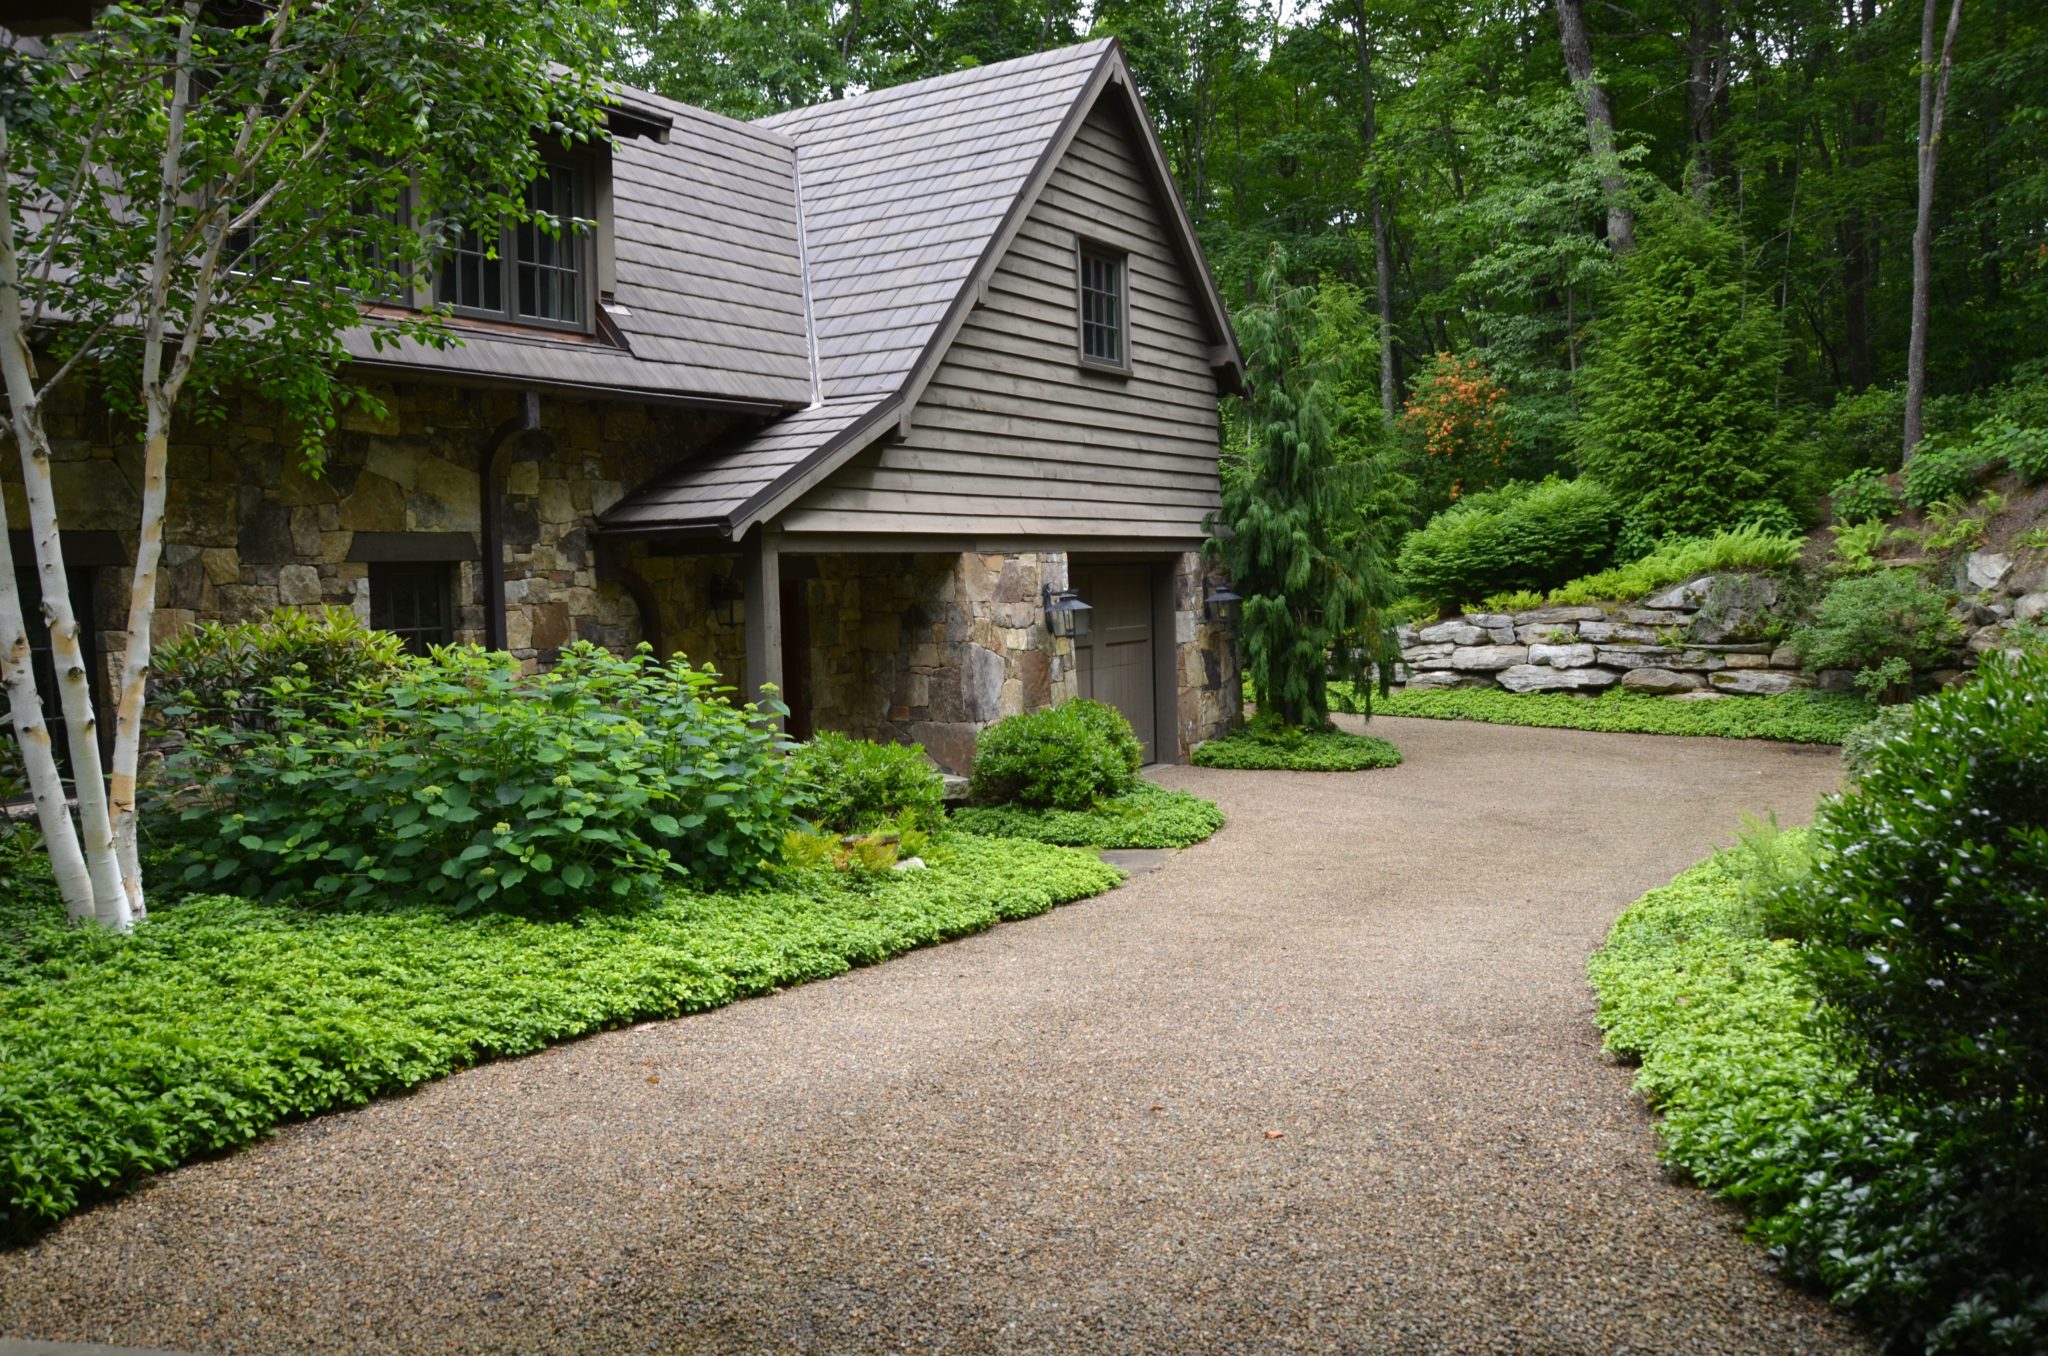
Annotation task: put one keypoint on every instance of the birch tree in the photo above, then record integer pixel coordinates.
(194, 200)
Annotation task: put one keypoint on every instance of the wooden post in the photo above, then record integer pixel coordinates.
(764, 613)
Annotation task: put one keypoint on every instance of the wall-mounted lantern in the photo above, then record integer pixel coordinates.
(724, 597)
(1219, 604)
(1066, 615)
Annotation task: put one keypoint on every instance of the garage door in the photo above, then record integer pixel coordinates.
(1113, 662)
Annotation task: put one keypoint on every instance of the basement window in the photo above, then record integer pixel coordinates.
(415, 601)
(1105, 309)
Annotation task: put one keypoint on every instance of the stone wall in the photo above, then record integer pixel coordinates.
(930, 649)
(1706, 637)
(247, 528)
(1700, 638)
(927, 648)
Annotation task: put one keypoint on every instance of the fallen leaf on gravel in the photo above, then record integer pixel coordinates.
(654, 1078)
(1276, 1134)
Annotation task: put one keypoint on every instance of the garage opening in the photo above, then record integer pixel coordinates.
(1114, 662)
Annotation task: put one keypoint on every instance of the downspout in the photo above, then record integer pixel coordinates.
(612, 570)
(490, 467)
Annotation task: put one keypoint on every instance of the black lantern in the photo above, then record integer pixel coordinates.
(1065, 614)
(724, 597)
(1219, 604)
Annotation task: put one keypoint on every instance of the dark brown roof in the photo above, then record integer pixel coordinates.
(710, 294)
(910, 196)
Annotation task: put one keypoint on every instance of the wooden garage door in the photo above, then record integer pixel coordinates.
(1114, 661)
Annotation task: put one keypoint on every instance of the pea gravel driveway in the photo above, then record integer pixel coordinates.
(1326, 1083)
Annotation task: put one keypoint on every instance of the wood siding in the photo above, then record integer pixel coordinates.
(1013, 437)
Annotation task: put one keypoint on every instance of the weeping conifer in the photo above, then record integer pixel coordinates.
(1302, 537)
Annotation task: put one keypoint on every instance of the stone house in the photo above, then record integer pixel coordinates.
(845, 400)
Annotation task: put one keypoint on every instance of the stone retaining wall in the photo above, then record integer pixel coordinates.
(1707, 637)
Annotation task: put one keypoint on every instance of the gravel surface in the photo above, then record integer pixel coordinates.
(1327, 1082)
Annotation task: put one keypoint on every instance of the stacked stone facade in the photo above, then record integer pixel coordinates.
(920, 648)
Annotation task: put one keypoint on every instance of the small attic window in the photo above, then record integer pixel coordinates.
(1104, 309)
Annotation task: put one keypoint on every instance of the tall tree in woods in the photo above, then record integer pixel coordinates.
(1304, 513)
(192, 198)
(1934, 77)
(1600, 138)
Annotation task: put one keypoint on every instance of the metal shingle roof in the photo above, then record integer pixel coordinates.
(903, 190)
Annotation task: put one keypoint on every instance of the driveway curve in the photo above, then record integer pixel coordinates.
(1328, 1082)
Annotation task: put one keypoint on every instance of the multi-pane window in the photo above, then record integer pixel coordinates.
(415, 601)
(526, 273)
(1102, 307)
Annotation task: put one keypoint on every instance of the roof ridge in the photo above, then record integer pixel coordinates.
(1078, 51)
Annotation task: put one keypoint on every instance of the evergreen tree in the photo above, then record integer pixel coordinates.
(1304, 504)
(1680, 391)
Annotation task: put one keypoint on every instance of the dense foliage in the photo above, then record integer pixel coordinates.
(1064, 757)
(1795, 717)
(1265, 743)
(229, 673)
(852, 785)
(1456, 419)
(1890, 1152)
(1298, 534)
(1929, 905)
(1862, 495)
(463, 783)
(1146, 816)
(221, 1018)
(1681, 410)
(1884, 625)
(1737, 550)
(1517, 537)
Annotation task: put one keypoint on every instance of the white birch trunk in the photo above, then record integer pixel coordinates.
(95, 841)
(38, 758)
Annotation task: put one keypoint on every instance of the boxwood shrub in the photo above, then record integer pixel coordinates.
(1065, 757)
(852, 785)
(1146, 816)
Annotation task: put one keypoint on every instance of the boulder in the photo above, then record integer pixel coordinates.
(1441, 678)
(1757, 682)
(1698, 696)
(1603, 631)
(1835, 680)
(1488, 658)
(1747, 661)
(1985, 641)
(1687, 595)
(1784, 657)
(1428, 656)
(1733, 605)
(2030, 606)
(1455, 632)
(1561, 656)
(1987, 569)
(1550, 616)
(1404, 635)
(1655, 616)
(1661, 657)
(1556, 633)
(1541, 678)
(1663, 682)
(1492, 621)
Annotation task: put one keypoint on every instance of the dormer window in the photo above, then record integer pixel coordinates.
(1105, 312)
(525, 273)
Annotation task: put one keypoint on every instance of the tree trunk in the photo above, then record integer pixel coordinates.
(1933, 110)
(1382, 247)
(39, 759)
(1705, 85)
(1859, 257)
(1578, 63)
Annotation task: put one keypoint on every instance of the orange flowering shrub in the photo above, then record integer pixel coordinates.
(1456, 414)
